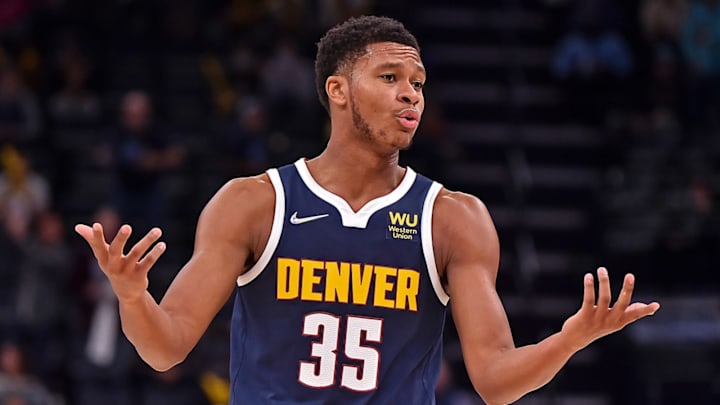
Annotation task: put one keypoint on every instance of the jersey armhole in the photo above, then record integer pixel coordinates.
(275, 232)
(427, 242)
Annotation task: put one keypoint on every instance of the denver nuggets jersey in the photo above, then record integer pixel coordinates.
(342, 307)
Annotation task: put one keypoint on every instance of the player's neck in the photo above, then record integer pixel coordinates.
(356, 174)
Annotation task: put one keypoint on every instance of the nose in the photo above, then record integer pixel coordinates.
(409, 95)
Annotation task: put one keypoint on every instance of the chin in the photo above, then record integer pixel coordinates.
(407, 145)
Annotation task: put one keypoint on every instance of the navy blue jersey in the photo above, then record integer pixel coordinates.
(342, 307)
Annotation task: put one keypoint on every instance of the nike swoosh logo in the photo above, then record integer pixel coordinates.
(297, 221)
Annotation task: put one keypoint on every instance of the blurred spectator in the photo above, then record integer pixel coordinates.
(13, 11)
(593, 60)
(666, 91)
(74, 105)
(701, 36)
(20, 117)
(142, 152)
(74, 112)
(686, 212)
(244, 13)
(23, 192)
(14, 231)
(103, 327)
(17, 386)
(287, 74)
(243, 67)
(23, 195)
(43, 298)
(700, 45)
(595, 43)
(247, 151)
(288, 81)
(14, 16)
(103, 359)
(331, 12)
(662, 20)
(248, 19)
(589, 55)
(290, 16)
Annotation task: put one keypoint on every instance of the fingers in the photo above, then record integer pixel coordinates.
(151, 258)
(95, 237)
(98, 245)
(604, 293)
(588, 293)
(85, 231)
(639, 310)
(626, 293)
(117, 247)
(144, 244)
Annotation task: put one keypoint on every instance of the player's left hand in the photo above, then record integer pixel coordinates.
(597, 319)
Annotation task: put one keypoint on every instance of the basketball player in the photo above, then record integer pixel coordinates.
(342, 265)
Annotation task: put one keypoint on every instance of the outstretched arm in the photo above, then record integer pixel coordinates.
(467, 248)
(232, 228)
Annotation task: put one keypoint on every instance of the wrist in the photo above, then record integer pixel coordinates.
(130, 301)
(571, 343)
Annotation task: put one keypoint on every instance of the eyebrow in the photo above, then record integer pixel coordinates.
(396, 65)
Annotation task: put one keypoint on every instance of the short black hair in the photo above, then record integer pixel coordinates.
(347, 41)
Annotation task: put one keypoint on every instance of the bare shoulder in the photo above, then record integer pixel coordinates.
(258, 189)
(241, 196)
(455, 211)
(240, 212)
(463, 230)
(453, 201)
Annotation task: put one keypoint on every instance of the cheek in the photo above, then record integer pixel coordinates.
(368, 104)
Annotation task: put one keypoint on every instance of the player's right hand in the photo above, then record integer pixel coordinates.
(127, 272)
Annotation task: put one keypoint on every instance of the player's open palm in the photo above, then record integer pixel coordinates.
(127, 272)
(597, 318)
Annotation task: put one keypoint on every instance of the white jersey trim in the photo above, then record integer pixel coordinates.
(427, 242)
(275, 232)
(350, 218)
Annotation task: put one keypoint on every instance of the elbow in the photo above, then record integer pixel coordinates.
(489, 402)
(490, 398)
(165, 363)
(483, 390)
(159, 356)
(161, 359)
(161, 368)
(491, 394)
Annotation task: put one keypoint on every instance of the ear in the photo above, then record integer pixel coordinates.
(337, 88)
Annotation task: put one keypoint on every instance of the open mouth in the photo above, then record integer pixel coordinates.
(409, 118)
(408, 122)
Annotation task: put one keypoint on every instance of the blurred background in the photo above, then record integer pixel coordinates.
(591, 129)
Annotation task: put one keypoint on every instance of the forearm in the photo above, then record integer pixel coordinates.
(513, 373)
(155, 334)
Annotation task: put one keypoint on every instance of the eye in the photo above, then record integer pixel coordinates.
(418, 85)
(388, 77)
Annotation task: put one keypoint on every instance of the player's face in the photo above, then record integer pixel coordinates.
(386, 97)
